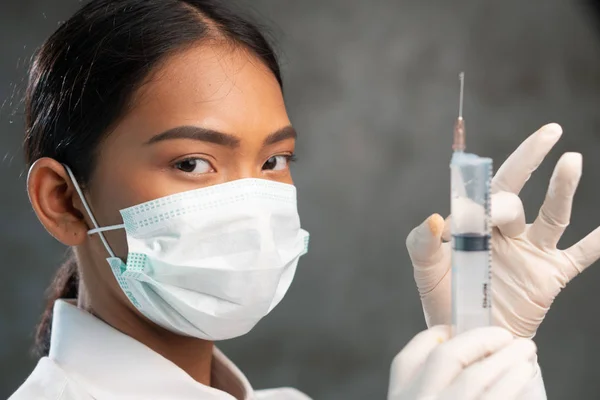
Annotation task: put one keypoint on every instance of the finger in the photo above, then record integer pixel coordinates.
(518, 167)
(427, 255)
(512, 384)
(586, 251)
(412, 357)
(468, 216)
(555, 213)
(424, 242)
(477, 378)
(449, 359)
(508, 214)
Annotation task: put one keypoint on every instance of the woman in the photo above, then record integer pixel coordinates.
(159, 149)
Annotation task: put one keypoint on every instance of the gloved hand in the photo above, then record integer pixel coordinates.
(528, 271)
(484, 363)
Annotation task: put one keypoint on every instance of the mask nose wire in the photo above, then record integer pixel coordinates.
(88, 210)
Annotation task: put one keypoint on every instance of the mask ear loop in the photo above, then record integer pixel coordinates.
(89, 211)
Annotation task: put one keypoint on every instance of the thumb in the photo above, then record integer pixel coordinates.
(447, 233)
(424, 242)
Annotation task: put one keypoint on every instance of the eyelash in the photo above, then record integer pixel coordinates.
(177, 165)
(290, 158)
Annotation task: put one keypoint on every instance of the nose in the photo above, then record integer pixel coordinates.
(244, 169)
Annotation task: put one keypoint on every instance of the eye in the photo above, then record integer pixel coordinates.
(278, 163)
(194, 166)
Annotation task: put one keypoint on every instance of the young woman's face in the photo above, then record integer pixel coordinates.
(210, 115)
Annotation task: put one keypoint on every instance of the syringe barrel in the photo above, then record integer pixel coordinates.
(471, 236)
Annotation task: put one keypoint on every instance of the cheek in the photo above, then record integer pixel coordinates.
(131, 180)
(106, 213)
(118, 243)
(116, 186)
(110, 194)
(288, 179)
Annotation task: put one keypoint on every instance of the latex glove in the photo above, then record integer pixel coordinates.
(484, 363)
(528, 271)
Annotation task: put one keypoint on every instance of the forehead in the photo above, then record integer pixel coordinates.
(214, 85)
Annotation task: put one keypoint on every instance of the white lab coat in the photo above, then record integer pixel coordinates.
(90, 360)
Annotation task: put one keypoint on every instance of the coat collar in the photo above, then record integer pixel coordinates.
(112, 365)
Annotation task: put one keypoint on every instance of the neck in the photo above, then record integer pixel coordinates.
(192, 355)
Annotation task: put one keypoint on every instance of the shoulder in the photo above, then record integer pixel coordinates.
(48, 382)
(281, 394)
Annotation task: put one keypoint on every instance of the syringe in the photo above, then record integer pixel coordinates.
(471, 232)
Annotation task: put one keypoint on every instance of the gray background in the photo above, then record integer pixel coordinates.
(372, 89)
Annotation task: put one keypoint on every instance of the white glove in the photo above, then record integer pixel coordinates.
(528, 270)
(484, 363)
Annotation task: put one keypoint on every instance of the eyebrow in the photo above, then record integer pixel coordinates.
(280, 135)
(219, 138)
(197, 133)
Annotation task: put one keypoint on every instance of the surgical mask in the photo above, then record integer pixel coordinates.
(211, 262)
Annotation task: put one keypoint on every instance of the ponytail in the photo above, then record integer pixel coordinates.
(65, 285)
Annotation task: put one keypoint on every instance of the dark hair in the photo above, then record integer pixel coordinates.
(593, 12)
(83, 77)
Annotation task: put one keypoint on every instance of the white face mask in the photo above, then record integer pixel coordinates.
(211, 262)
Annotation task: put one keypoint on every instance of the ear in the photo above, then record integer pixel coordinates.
(54, 200)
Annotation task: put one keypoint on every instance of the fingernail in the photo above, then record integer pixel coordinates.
(552, 130)
(421, 241)
(436, 224)
(574, 159)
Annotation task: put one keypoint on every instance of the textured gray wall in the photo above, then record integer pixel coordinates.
(372, 89)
